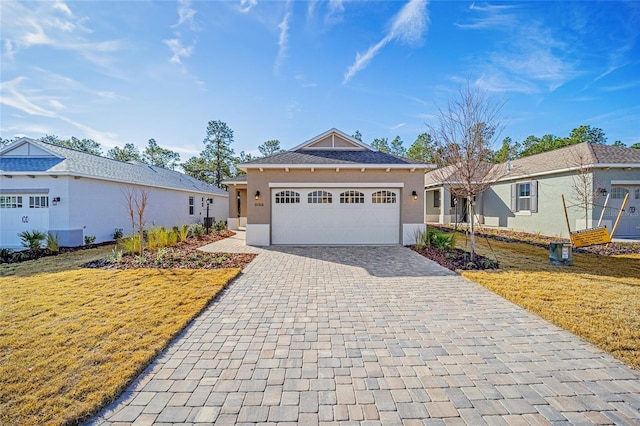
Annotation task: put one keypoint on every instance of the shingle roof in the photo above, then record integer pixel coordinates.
(332, 157)
(80, 163)
(573, 156)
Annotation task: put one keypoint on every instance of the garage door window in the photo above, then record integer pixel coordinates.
(287, 197)
(38, 202)
(319, 197)
(383, 197)
(352, 197)
(618, 193)
(11, 202)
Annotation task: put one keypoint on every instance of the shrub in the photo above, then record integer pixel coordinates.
(220, 225)
(130, 245)
(157, 238)
(422, 238)
(183, 232)
(172, 238)
(32, 239)
(116, 256)
(197, 230)
(117, 234)
(89, 239)
(52, 242)
(443, 241)
(6, 255)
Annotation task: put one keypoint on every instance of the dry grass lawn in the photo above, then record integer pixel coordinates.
(71, 338)
(598, 298)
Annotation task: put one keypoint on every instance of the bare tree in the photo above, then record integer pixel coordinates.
(464, 134)
(584, 191)
(136, 200)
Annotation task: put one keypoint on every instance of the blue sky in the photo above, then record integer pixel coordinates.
(121, 72)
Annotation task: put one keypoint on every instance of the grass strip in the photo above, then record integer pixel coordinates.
(71, 338)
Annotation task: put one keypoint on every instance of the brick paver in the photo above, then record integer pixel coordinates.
(372, 335)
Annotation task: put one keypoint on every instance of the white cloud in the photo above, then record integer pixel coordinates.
(335, 12)
(52, 24)
(247, 5)
(397, 126)
(408, 26)
(283, 39)
(179, 51)
(185, 13)
(493, 17)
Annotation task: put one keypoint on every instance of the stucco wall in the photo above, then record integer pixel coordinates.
(411, 211)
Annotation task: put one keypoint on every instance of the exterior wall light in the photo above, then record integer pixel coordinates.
(257, 195)
(414, 194)
(55, 201)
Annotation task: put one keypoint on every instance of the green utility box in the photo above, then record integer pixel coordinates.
(561, 254)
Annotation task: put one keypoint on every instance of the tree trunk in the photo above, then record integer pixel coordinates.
(472, 238)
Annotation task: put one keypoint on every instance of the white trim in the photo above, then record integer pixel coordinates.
(523, 213)
(409, 231)
(625, 182)
(258, 234)
(336, 185)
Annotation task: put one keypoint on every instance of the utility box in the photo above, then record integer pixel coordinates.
(561, 254)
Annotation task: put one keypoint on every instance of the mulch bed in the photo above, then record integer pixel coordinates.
(185, 255)
(456, 259)
(544, 241)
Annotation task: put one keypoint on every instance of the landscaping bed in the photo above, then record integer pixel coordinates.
(612, 249)
(184, 255)
(456, 259)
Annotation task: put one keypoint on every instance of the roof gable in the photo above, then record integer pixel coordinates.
(26, 148)
(333, 139)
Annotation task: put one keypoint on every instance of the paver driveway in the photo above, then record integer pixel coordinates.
(373, 335)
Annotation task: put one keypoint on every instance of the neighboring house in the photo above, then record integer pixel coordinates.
(332, 189)
(74, 194)
(528, 195)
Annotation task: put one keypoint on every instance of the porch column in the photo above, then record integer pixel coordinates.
(445, 206)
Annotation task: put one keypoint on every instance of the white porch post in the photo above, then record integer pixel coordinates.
(445, 201)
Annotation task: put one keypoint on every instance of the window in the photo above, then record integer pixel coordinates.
(383, 197)
(618, 193)
(287, 197)
(11, 202)
(320, 197)
(637, 194)
(38, 202)
(191, 206)
(436, 199)
(454, 201)
(352, 197)
(524, 196)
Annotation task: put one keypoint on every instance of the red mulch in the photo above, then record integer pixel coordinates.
(456, 259)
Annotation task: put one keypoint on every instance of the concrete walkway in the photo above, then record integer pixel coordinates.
(372, 335)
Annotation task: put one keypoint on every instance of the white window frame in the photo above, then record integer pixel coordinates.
(287, 197)
(192, 205)
(351, 197)
(521, 197)
(11, 202)
(319, 197)
(38, 201)
(384, 197)
(618, 192)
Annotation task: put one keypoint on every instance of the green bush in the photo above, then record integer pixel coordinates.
(129, 245)
(196, 230)
(6, 255)
(52, 242)
(32, 239)
(183, 232)
(89, 239)
(117, 234)
(220, 225)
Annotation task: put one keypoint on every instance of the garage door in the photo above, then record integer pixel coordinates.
(22, 212)
(629, 225)
(335, 216)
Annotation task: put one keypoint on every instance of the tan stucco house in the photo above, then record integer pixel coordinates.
(332, 189)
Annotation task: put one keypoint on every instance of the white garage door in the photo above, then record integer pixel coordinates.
(335, 216)
(22, 212)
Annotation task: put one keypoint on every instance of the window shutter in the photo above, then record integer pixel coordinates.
(534, 196)
(514, 197)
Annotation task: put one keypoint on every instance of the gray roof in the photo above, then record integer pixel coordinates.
(569, 157)
(333, 157)
(78, 163)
